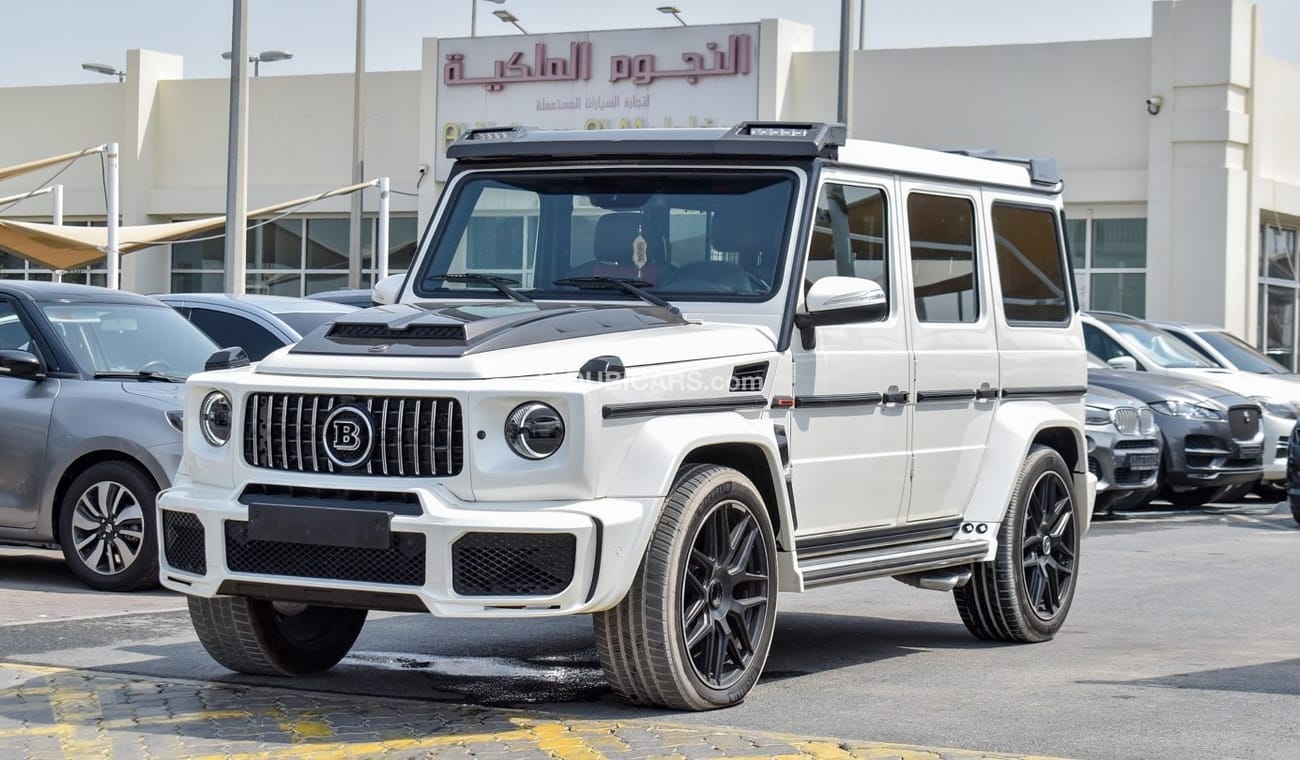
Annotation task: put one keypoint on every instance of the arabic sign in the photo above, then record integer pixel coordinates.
(674, 77)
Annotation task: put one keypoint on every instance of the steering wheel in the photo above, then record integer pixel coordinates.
(157, 365)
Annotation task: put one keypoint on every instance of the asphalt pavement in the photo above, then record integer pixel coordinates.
(1184, 642)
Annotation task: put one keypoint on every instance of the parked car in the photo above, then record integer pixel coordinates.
(1124, 341)
(259, 324)
(1293, 473)
(1211, 437)
(360, 297)
(1123, 446)
(90, 393)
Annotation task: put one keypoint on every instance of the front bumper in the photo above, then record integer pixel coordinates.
(1277, 432)
(452, 558)
(1121, 463)
(1203, 453)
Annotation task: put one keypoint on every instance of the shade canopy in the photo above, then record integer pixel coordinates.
(63, 247)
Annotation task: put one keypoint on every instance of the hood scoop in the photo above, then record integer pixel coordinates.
(385, 333)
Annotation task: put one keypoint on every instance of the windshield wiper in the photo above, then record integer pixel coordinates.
(501, 284)
(151, 375)
(626, 284)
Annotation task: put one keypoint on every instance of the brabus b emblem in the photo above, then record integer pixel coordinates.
(348, 436)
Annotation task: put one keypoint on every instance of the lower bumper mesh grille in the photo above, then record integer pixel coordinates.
(401, 564)
(183, 542)
(512, 564)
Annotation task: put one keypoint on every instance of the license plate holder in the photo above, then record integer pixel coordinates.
(1249, 451)
(1143, 461)
(320, 526)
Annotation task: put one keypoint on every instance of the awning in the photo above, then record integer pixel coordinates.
(64, 247)
(31, 166)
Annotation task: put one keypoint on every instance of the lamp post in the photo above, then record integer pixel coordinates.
(105, 69)
(269, 56)
(510, 18)
(358, 149)
(673, 11)
(473, 15)
(237, 154)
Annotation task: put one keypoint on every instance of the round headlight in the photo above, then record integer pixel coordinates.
(214, 418)
(534, 430)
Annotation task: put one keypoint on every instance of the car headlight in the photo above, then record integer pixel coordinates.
(1095, 415)
(1185, 409)
(1277, 407)
(214, 418)
(534, 430)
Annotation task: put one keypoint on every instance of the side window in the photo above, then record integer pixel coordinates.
(1030, 269)
(1102, 345)
(13, 335)
(227, 330)
(1194, 346)
(944, 281)
(849, 235)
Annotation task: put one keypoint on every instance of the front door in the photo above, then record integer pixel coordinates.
(26, 405)
(848, 447)
(955, 345)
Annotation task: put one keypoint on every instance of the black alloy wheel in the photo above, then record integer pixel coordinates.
(1047, 546)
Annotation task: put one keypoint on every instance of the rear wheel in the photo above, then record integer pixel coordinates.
(107, 527)
(696, 626)
(1024, 594)
(274, 638)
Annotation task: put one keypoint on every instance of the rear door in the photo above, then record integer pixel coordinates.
(954, 343)
(25, 406)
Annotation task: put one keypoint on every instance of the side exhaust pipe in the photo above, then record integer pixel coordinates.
(945, 579)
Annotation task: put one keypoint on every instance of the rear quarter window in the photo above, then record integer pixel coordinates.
(1031, 265)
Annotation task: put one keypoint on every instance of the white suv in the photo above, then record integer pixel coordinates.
(658, 376)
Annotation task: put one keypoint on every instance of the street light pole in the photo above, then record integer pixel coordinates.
(237, 164)
(358, 149)
(845, 104)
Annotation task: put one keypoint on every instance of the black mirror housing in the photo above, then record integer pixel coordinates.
(226, 358)
(14, 363)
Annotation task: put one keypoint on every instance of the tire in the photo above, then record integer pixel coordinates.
(1295, 512)
(1024, 594)
(274, 638)
(108, 527)
(1195, 497)
(694, 633)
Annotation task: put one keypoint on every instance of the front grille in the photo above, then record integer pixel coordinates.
(397, 502)
(183, 542)
(1244, 422)
(401, 564)
(407, 436)
(1205, 444)
(512, 564)
(1136, 444)
(1128, 477)
(1126, 419)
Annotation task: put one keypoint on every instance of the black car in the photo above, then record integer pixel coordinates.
(1293, 473)
(1212, 438)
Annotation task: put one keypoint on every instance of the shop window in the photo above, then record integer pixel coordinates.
(1109, 257)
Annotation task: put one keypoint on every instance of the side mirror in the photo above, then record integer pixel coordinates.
(388, 289)
(1123, 362)
(226, 358)
(841, 300)
(14, 363)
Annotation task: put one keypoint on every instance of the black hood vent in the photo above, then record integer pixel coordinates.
(374, 332)
(749, 378)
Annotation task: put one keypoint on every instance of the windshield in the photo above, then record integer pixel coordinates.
(697, 235)
(1241, 354)
(1159, 346)
(120, 337)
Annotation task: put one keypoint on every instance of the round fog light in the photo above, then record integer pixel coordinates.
(214, 418)
(534, 430)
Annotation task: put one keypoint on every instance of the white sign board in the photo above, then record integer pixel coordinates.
(678, 77)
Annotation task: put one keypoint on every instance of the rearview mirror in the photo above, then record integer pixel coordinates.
(226, 358)
(388, 289)
(1122, 362)
(14, 363)
(840, 300)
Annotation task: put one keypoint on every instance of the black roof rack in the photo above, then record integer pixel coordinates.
(1042, 171)
(749, 138)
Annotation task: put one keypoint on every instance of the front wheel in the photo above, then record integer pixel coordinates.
(274, 638)
(1024, 594)
(696, 626)
(107, 528)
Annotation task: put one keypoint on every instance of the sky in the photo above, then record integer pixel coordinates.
(47, 40)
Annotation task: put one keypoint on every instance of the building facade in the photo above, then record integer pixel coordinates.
(1181, 151)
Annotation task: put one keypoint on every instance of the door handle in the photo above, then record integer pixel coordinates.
(986, 393)
(894, 396)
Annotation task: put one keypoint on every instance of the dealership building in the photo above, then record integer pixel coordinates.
(1180, 152)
